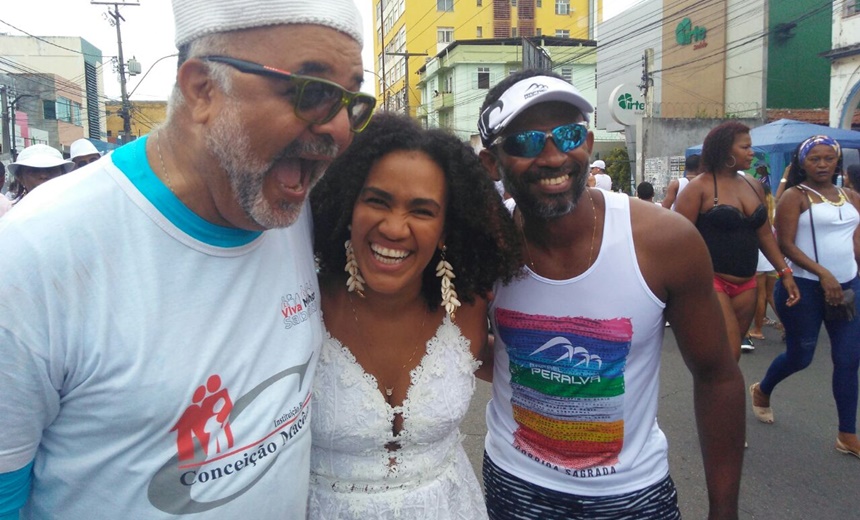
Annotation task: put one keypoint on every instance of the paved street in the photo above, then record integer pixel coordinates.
(791, 470)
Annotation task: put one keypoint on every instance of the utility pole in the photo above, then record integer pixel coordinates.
(125, 111)
(12, 106)
(406, 56)
(5, 104)
(647, 81)
(382, 45)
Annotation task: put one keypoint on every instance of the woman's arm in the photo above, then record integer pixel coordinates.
(767, 244)
(854, 197)
(472, 320)
(782, 183)
(689, 201)
(485, 371)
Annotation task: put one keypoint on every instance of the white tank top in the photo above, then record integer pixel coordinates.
(576, 376)
(834, 237)
(682, 183)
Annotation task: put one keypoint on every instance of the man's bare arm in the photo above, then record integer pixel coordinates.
(678, 268)
(671, 193)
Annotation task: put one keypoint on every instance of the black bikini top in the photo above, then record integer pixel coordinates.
(724, 216)
(731, 236)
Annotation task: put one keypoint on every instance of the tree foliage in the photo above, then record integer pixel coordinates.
(618, 168)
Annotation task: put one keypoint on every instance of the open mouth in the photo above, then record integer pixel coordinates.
(387, 255)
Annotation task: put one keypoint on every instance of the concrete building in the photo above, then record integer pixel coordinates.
(453, 83)
(703, 61)
(75, 95)
(405, 35)
(145, 116)
(49, 110)
(845, 65)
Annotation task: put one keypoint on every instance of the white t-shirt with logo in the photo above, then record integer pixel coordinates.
(154, 364)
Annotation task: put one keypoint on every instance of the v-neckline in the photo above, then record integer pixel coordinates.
(376, 388)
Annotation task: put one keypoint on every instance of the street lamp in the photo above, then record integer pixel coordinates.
(384, 89)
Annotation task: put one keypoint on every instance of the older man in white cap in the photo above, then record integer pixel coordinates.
(572, 426)
(159, 333)
(82, 152)
(35, 165)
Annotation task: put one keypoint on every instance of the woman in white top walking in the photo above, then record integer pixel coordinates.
(817, 227)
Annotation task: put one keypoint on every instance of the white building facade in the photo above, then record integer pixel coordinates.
(845, 63)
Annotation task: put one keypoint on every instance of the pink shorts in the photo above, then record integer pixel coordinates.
(732, 289)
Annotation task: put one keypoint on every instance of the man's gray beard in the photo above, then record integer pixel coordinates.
(231, 145)
(548, 210)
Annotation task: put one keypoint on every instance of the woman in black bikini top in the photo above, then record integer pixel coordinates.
(735, 228)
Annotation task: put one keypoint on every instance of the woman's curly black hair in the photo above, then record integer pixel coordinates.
(482, 242)
(717, 147)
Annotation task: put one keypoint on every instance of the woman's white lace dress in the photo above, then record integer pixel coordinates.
(431, 477)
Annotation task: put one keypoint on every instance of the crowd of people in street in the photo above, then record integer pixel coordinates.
(276, 305)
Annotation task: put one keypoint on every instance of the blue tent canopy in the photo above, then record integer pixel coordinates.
(774, 143)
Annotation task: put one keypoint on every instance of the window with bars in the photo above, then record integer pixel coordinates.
(562, 7)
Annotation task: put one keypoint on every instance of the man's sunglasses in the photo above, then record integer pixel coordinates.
(316, 100)
(531, 143)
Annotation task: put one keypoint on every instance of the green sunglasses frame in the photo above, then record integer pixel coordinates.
(347, 97)
(546, 136)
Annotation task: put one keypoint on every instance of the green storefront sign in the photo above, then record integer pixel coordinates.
(686, 33)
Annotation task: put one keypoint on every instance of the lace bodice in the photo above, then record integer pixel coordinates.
(352, 423)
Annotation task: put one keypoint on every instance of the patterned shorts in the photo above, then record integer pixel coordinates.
(509, 498)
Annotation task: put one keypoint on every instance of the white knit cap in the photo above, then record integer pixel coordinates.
(196, 18)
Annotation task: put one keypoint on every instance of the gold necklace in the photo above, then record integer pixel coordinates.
(842, 199)
(388, 390)
(161, 160)
(593, 233)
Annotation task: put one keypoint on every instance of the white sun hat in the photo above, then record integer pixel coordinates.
(40, 156)
(81, 147)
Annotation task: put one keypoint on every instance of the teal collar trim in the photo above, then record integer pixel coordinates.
(131, 160)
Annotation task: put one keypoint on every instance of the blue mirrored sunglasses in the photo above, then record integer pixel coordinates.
(531, 143)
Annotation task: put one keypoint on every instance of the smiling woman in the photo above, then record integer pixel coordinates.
(410, 235)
